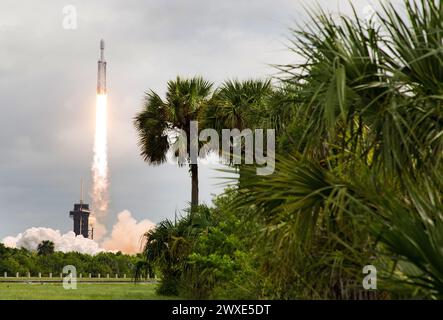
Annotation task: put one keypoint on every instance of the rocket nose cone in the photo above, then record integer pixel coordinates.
(102, 44)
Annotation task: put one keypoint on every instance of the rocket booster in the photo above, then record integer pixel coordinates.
(101, 75)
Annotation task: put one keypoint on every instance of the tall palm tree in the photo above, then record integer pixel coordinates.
(185, 100)
(45, 247)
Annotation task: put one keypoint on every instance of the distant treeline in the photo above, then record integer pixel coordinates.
(23, 261)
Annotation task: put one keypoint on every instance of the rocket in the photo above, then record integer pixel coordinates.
(101, 75)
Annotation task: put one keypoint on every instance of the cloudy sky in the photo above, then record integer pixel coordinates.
(48, 82)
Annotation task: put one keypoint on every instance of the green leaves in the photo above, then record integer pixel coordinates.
(151, 125)
(362, 116)
(45, 248)
(373, 87)
(415, 46)
(412, 229)
(185, 100)
(237, 104)
(367, 104)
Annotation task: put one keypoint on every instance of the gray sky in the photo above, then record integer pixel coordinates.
(47, 94)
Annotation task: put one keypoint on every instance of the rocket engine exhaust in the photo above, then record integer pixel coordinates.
(100, 160)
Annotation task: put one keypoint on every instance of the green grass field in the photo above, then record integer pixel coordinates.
(22, 279)
(99, 291)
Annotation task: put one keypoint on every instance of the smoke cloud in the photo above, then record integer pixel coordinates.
(126, 236)
(31, 238)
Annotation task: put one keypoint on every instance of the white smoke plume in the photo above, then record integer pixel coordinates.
(126, 236)
(31, 238)
(100, 169)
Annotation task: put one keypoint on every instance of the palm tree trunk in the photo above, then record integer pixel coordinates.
(194, 178)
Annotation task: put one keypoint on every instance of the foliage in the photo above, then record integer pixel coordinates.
(412, 229)
(359, 128)
(23, 261)
(45, 248)
(161, 123)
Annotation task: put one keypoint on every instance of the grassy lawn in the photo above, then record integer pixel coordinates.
(21, 279)
(50, 291)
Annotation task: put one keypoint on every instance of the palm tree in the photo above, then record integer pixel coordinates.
(185, 100)
(45, 247)
(169, 244)
(237, 104)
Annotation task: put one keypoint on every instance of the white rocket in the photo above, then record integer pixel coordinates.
(101, 75)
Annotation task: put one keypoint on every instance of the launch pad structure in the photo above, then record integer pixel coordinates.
(80, 216)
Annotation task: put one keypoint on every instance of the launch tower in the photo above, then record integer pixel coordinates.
(80, 216)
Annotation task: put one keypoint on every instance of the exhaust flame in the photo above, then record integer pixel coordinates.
(100, 168)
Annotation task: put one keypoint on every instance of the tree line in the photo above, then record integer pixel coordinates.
(45, 261)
